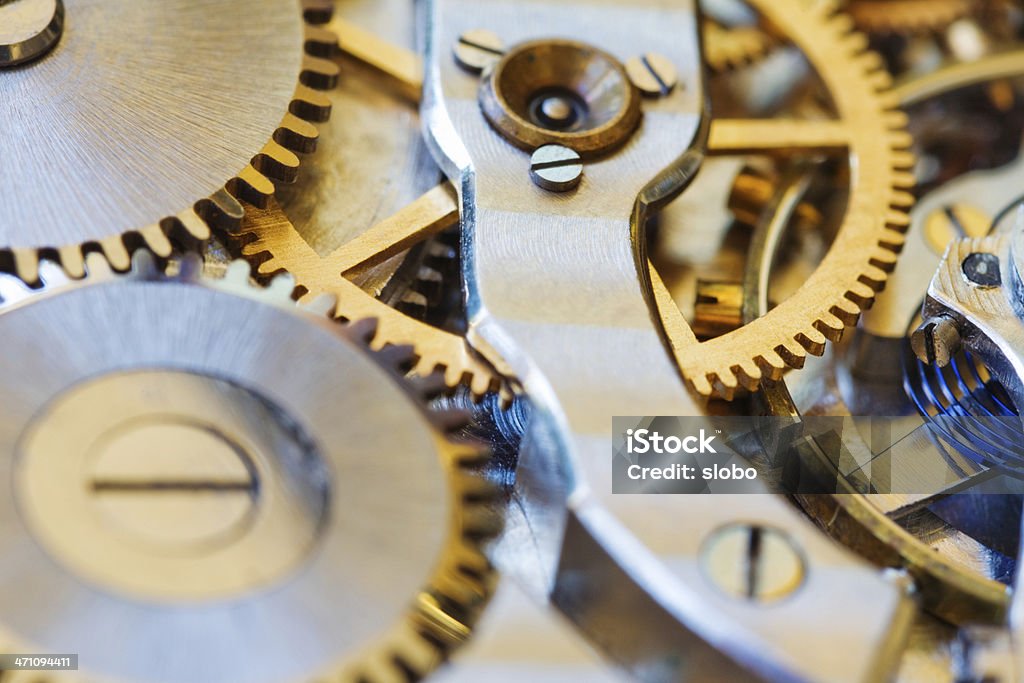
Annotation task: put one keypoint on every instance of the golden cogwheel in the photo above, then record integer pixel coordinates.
(870, 131)
(118, 136)
(269, 239)
(728, 48)
(330, 512)
(907, 16)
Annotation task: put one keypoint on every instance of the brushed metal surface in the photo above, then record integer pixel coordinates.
(374, 552)
(142, 109)
(558, 288)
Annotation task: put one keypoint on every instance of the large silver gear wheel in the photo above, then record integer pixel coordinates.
(195, 501)
(141, 113)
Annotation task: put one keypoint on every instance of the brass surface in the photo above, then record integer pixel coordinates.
(593, 76)
(872, 133)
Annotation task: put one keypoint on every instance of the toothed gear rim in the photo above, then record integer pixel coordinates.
(143, 109)
(908, 16)
(393, 557)
(871, 234)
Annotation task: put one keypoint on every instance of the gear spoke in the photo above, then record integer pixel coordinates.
(776, 136)
(402, 67)
(432, 212)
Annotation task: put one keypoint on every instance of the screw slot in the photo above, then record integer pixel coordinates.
(753, 562)
(556, 168)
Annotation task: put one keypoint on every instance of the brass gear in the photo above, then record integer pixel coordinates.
(269, 241)
(907, 16)
(871, 130)
(182, 303)
(118, 137)
(727, 48)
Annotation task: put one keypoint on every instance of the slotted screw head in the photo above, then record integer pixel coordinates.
(653, 75)
(556, 168)
(478, 49)
(753, 562)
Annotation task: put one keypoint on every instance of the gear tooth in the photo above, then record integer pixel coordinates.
(846, 311)
(792, 353)
(896, 119)
(281, 287)
(480, 385)
(310, 104)
(319, 73)
(190, 267)
(364, 331)
(724, 384)
(322, 304)
(880, 80)
(812, 340)
(771, 365)
(701, 385)
(748, 374)
(903, 160)
(277, 162)
(116, 252)
(870, 61)
(874, 277)
(297, 135)
(843, 24)
(900, 140)
(156, 240)
(826, 8)
(901, 199)
(321, 42)
(884, 260)
(26, 265)
(480, 525)
(228, 212)
(12, 289)
(52, 274)
(97, 266)
(143, 264)
(892, 240)
(418, 655)
(71, 257)
(252, 186)
(238, 272)
(897, 220)
(830, 326)
(399, 357)
(861, 294)
(903, 180)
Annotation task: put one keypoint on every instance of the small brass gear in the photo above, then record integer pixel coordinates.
(727, 48)
(121, 136)
(158, 347)
(872, 131)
